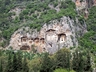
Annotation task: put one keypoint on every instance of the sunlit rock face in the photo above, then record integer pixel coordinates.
(94, 2)
(84, 4)
(53, 36)
(80, 5)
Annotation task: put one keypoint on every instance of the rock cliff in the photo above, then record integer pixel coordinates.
(82, 6)
(52, 36)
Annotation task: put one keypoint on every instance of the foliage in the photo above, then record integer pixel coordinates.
(34, 13)
(34, 65)
(63, 60)
(91, 21)
(81, 61)
(1, 69)
(9, 67)
(46, 64)
(88, 41)
(62, 70)
(25, 66)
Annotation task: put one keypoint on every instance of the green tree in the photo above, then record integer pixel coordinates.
(34, 65)
(46, 64)
(81, 61)
(9, 67)
(63, 58)
(19, 61)
(1, 68)
(88, 62)
(62, 70)
(25, 67)
(76, 61)
(15, 63)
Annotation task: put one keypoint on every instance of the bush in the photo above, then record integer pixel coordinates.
(62, 70)
(55, 3)
(91, 21)
(25, 12)
(29, 6)
(34, 65)
(63, 58)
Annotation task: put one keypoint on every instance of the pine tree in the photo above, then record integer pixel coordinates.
(24, 66)
(88, 62)
(62, 58)
(46, 64)
(9, 67)
(1, 69)
(81, 63)
(68, 59)
(76, 61)
(19, 61)
(15, 63)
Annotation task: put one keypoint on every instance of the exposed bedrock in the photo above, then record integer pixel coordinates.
(52, 36)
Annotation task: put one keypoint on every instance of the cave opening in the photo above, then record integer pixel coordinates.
(61, 37)
(25, 47)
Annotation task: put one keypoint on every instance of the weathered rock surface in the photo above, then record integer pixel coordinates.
(82, 6)
(51, 37)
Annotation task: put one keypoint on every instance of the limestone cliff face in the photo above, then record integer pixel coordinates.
(52, 36)
(83, 5)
